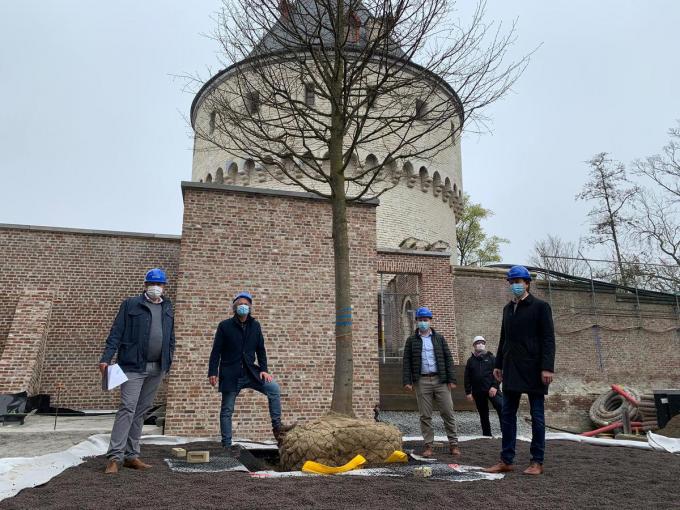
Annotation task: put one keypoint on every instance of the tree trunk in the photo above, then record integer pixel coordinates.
(344, 363)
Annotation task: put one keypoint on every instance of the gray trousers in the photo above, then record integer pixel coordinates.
(136, 397)
(429, 389)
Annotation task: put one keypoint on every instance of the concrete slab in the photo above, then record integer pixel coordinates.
(38, 437)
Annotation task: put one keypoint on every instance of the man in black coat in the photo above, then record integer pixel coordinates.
(480, 383)
(525, 364)
(238, 341)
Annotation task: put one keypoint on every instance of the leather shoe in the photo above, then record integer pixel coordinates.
(501, 467)
(454, 450)
(427, 452)
(281, 431)
(135, 464)
(534, 469)
(111, 467)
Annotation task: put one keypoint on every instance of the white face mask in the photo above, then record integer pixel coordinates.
(154, 291)
(480, 347)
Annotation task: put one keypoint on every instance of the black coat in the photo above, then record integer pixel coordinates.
(527, 345)
(234, 350)
(129, 335)
(413, 357)
(479, 374)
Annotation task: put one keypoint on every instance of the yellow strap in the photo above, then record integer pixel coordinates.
(321, 469)
(397, 456)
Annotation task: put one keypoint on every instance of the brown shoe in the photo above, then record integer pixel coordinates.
(454, 450)
(111, 467)
(135, 464)
(427, 452)
(534, 469)
(501, 467)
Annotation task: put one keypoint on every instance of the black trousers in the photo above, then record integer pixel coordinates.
(482, 403)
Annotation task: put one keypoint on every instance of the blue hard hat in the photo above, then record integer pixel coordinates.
(518, 272)
(423, 311)
(156, 275)
(243, 295)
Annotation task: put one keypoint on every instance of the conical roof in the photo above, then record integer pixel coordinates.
(307, 22)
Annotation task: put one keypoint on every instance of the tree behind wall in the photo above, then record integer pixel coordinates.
(474, 246)
(555, 254)
(311, 82)
(612, 194)
(656, 222)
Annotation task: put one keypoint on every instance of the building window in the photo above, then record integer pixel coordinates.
(310, 95)
(252, 101)
(421, 109)
(211, 127)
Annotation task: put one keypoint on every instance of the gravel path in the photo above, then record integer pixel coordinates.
(467, 423)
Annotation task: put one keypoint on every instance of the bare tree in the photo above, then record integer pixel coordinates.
(611, 191)
(474, 246)
(656, 222)
(556, 254)
(664, 169)
(309, 84)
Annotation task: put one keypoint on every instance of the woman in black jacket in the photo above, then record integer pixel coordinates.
(480, 384)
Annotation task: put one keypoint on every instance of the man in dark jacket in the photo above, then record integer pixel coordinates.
(428, 366)
(480, 384)
(525, 364)
(143, 335)
(238, 341)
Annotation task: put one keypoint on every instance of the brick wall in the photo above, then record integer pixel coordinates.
(638, 348)
(25, 345)
(435, 287)
(88, 274)
(279, 247)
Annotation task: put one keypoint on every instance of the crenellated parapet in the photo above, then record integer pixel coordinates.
(396, 173)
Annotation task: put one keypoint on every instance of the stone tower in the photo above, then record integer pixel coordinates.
(418, 212)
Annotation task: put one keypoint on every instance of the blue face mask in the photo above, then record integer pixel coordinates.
(423, 325)
(242, 310)
(517, 289)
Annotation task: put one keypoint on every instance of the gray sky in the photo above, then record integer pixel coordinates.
(92, 133)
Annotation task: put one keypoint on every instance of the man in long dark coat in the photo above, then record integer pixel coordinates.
(525, 364)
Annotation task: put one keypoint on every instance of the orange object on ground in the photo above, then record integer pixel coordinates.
(618, 389)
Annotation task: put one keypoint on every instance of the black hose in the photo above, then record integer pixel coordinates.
(527, 419)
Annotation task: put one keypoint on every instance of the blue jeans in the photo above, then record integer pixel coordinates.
(509, 426)
(270, 389)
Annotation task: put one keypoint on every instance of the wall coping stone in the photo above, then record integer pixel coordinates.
(415, 253)
(212, 186)
(87, 231)
(483, 272)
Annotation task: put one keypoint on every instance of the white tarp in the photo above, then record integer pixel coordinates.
(659, 442)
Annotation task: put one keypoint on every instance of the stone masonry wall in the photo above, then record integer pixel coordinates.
(279, 247)
(25, 346)
(638, 348)
(88, 274)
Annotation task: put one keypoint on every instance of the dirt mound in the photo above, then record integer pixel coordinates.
(335, 439)
(672, 428)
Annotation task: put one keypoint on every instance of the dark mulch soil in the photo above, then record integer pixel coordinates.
(577, 476)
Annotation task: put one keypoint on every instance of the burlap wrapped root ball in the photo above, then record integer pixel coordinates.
(336, 439)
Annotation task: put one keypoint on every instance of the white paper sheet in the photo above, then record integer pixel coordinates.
(115, 376)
